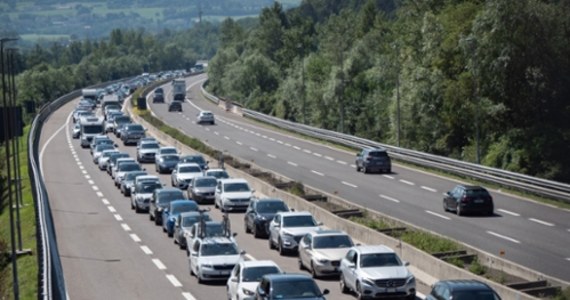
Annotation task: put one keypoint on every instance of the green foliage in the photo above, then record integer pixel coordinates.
(500, 68)
(477, 268)
(563, 294)
(428, 242)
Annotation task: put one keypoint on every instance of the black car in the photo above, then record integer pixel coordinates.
(464, 199)
(160, 200)
(166, 163)
(158, 96)
(259, 213)
(373, 160)
(175, 106)
(289, 286)
(462, 289)
(131, 133)
(197, 159)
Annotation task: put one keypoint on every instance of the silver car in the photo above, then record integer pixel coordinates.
(320, 252)
(142, 191)
(288, 228)
(129, 181)
(183, 225)
(146, 152)
(203, 189)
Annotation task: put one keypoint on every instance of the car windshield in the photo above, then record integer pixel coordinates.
(219, 249)
(126, 167)
(148, 187)
(332, 241)
(91, 129)
(380, 260)
(215, 229)
(168, 151)
(189, 206)
(114, 157)
(122, 119)
(108, 153)
(190, 169)
(474, 295)
(477, 193)
(169, 157)
(266, 207)
(254, 274)
(205, 182)
(150, 146)
(299, 221)
(236, 187)
(169, 196)
(135, 127)
(378, 154)
(191, 220)
(295, 289)
(133, 175)
(218, 174)
(103, 146)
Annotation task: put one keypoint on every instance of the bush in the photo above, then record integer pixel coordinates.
(477, 268)
(428, 242)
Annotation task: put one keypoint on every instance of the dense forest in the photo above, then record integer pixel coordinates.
(481, 81)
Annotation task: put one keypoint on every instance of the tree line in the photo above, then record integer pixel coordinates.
(481, 81)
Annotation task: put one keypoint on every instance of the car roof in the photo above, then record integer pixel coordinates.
(288, 276)
(328, 232)
(465, 285)
(294, 213)
(188, 165)
(367, 249)
(148, 177)
(125, 159)
(167, 147)
(190, 214)
(182, 201)
(258, 263)
(218, 240)
(233, 180)
(168, 189)
(216, 170)
(268, 200)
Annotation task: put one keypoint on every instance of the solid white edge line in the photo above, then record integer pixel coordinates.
(173, 280)
(508, 212)
(427, 188)
(541, 222)
(158, 264)
(438, 215)
(503, 237)
(389, 198)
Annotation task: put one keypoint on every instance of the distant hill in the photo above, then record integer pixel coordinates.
(37, 20)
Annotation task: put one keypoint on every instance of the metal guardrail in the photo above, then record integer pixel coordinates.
(517, 181)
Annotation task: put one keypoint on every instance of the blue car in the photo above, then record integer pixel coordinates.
(175, 208)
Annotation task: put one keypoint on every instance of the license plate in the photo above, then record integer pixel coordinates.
(224, 272)
(391, 290)
(478, 201)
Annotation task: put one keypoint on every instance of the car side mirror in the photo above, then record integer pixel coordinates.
(242, 252)
(326, 291)
(320, 223)
(351, 265)
(234, 234)
(234, 279)
(406, 263)
(252, 191)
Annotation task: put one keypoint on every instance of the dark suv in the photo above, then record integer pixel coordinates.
(289, 286)
(175, 106)
(259, 213)
(158, 96)
(462, 289)
(465, 199)
(131, 133)
(371, 160)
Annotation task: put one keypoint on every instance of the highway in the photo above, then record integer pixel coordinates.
(108, 251)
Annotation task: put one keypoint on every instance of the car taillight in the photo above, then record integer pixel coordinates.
(465, 199)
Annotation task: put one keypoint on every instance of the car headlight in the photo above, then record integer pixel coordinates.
(262, 218)
(206, 266)
(247, 292)
(322, 260)
(287, 235)
(411, 280)
(368, 282)
(159, 209)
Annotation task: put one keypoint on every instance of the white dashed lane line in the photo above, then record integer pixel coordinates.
(407, 182)
(504, 237)
(158, 264)
(341, 162)
(112, 209)
(227, 138)
(279, 142)
(287, 144)
(349, 184)
(272, 139)
(307, 151)
(389, 198)
(318, 173)
(146, 250)
(95, 188)
(126, 227)
(87, 177)
(292, 163)
(541, 222)
(239, 143)
(253, 149)
(105, 201)
(388, 176)
(508, 212)
(429, 189)
(317, 154)
(118, 217)
(188, 296)
(99, 194)
(271, 156)
(296, 148)
(135, 238)
(329, 158)
(84, 172)
(438, 215)
(216, 133)
(173, 280)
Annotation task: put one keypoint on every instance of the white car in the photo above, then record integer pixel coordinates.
(288, 228)
(205, 117)
(184, 173)
(166, 150)
(320, 252)
(117, 162)
(218, 173)
(232, 194)
(99, 150)
(245, 278)
(376, 270)
(142, 191)
(213, 259)
(104, 158)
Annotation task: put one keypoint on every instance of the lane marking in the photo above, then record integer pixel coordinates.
(279, 142)
(388, 176)
(42, 152)
(226, 137)
(541, 222)
(349, 184)
(253, 149)
(296, 148)
(503, 237)
(87, 177)
(82, 168)
(249, 257)
(146, 250)
(99, 194)
(329, 158)
(264, 136)
(294, 165)
(353, 166)
(389, 198)
(509, 212)
(189, 296)
(239, 143)
(84, 172)
(341, 162)
(207, 129)
(158, 264)
(95, 188)
(407, 182)
(317, 154)
(438, 215)
(105, 201)
(318, 173)
(216, 133)
(429, 189)
(173, 280)
(287, 144)
(118, 217)
(135, 238)
(272, 139)
(272, 156)
(307, 151)
(125, 227)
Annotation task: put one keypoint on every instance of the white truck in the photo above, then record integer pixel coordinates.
(90, 127)
(92, 94)
(178, 89)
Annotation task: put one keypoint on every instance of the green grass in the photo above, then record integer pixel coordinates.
(27, 264)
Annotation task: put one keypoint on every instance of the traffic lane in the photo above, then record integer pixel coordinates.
(93, 267)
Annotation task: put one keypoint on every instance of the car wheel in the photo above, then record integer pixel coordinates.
(445, 206)
(281, 249)
(314, 271)
(163, 229)
(343, 288)
(255, 232)
(411, 297)
(150, 216)
(157, 221)
(301, 266)
(247, 230)
(271, 246)
(357, 168)
(458, 210)
(170, 233)
(132, 205)
(359, 294)
(181, 246)
(364, 170)
(490, 213)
